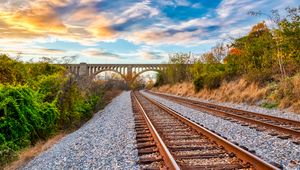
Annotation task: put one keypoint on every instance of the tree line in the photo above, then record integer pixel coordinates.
(263, 56)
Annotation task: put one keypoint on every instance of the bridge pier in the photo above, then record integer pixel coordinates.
(83, 69)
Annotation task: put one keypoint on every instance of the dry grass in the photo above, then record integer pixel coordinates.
(27, 154)
(235, 91)
(110, 94)
(289, 93)
(285, 93)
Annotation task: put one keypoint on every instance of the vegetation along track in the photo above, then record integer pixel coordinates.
(178, 143)
(275, 126)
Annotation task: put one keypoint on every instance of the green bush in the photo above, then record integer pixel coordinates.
(213, 80)
(37, 100)
(198, 83)
(261, 76)
(26, 118)
(7, 154)
(159, 79)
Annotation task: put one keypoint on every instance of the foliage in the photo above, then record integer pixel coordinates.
(159, 79)
(177, 71)
(209, 74)
(263, 55)
(37, 100)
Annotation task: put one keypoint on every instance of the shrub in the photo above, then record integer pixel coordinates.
(7, 154)
(261, 76)
(198, 83)
(37, 100)
(159, 79)
(213, 80)
(26, 118)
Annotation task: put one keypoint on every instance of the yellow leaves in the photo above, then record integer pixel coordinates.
(259, 28)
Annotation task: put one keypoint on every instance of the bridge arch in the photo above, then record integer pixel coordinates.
(112, 70)
(146, 70)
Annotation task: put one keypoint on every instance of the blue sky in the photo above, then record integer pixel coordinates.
(124, 31)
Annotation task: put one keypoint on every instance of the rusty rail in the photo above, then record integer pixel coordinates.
(242, 154)
(240, 115)
(167, 157)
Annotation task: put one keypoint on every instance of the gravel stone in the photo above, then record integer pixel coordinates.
(269, 148)
(107, 141)
(244, 106)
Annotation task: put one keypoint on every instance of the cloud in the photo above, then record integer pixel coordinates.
(82, 15)
(134, 17)
(182, 3)
(34, 21)
(93, 52)
(101, 28)
(232, 11)
(142, 23)
(188, 32)
(58, 51)
(34, 52)
(148, 55)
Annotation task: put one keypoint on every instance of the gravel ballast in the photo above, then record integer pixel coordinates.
(243, 106)
(107, 141)
(269, 148)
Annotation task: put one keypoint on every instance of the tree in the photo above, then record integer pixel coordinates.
(178, 71)
(209, 58)
(286, 37)
(219, 51)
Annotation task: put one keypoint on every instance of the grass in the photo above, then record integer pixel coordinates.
(283, 95)
(269, 105)
(29, 153)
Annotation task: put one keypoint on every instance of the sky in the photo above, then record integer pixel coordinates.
(124, 31)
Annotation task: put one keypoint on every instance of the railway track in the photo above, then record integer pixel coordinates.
(167, 140)
(275, 126)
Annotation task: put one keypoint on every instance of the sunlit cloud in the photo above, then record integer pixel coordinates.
(34, 52)
(26, 24)
(150, 55)
(38, 26)
(100, 54)
(102, 31)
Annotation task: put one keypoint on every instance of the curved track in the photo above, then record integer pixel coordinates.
(178, 143)
(276, 126)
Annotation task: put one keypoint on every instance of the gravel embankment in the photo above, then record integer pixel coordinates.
(243, 106)
(107, 141)
(269, 148)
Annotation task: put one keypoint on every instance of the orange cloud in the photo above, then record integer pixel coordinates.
(38, 19)
(101, 29)
(83, 15)
(58, 2)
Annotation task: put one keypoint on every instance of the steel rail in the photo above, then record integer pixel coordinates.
(244, 155)
(164, 151)
(214, 109)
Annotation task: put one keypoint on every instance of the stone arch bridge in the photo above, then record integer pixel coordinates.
(129, 72)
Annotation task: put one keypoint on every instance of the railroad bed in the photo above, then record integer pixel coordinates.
(166, 139)
(275, 126)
